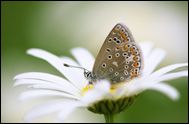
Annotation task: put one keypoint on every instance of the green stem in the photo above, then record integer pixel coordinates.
(109, 118)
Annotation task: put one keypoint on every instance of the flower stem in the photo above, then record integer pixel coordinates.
(109, 118)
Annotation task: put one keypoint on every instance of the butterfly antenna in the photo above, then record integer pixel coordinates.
(66, 65)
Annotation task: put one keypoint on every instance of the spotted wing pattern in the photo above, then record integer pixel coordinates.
(119, 58)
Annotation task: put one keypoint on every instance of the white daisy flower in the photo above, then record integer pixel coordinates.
(101, 97)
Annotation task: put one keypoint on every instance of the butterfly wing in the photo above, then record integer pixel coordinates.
(119, 58)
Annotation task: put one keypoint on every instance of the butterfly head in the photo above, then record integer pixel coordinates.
(88, 74)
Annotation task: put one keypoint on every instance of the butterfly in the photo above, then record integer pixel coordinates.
(119, 59)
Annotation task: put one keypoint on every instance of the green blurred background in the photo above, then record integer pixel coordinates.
(60, 26)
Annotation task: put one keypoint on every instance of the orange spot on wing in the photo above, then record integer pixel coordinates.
(136, 64)
(133, 74)
(123, 35)
(125, 48)
(131, 49)
(135, 58)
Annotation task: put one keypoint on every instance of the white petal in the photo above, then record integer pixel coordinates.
(23, 79)
(77, 73)
(68, 109)
(146, 48)
(49, 87)
(173, 75)
(166, 89)
(39, 84)
(159, 86)
(41, 93)
(45, 109)
(55, 62)
(49, 57)
(134, 87)
(155, 57)
(102, 85)
(140, 84)
(84, 57)
(30, 81)
(100, 90)
(167, 69)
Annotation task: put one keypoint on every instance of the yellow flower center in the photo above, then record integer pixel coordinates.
(112, 90)
(85, 89)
